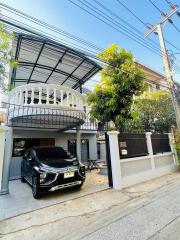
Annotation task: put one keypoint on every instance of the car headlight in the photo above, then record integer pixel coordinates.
(42, 177)
(82, 171)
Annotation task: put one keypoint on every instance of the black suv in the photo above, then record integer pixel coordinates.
(51, 168)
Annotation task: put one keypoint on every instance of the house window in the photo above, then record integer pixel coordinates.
(157, 86)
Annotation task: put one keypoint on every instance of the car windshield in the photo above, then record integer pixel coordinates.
(50, 154)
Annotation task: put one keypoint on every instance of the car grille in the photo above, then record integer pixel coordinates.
(61, 179)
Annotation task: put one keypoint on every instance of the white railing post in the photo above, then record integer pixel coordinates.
(76, 101)
(67, 98)
(47, 95)
(150, 149)
(54, 96)
(32, 96)
(26, 96)
(16, 98)
(61, 97)
(173, 149)
(20, 97)
(115, 159)
(40, 95)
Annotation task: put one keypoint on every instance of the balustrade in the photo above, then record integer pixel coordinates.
(46, 94)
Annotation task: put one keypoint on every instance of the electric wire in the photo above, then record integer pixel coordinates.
(122, 20)
(170, 21)
(100, 19)
(114, 27)
(141, 21)
(126, 71)
(48, 26)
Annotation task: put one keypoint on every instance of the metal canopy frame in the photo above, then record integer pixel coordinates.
(78, 68)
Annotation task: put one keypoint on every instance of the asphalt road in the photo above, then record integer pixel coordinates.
(148, 211)
(156, 218)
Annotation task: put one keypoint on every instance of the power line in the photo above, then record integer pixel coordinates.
(92, 56)
(122, 4)
(123, 32)
(48, 26)
(141, 21)
(139, 35)
(17, 12)
(158, 9)
(90, 7)
(177, 29)
(128, 24)
(169, 20)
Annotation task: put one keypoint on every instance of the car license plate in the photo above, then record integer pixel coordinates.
(68, 174)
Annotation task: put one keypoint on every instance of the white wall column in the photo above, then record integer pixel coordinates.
(6, 144)
(115, 159)
(150, 149)
(2, 146)
(78, 143)
(93, 147)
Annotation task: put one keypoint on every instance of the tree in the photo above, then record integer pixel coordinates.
(5, 57)
(152, 112)
(121, 79)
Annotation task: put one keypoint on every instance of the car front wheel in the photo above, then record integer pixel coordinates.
(35, 188)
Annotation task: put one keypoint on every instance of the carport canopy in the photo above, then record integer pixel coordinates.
(42, 60)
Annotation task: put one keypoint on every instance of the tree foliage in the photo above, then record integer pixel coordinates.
(5, 57)
(152, 112)
(121, 79)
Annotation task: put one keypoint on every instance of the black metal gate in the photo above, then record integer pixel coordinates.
(108, 160)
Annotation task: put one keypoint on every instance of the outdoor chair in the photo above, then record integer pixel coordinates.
(92, 164)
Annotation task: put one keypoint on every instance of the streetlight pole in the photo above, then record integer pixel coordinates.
(158, 29)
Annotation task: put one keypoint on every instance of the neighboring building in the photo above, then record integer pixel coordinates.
(155, 80)
(177, 92)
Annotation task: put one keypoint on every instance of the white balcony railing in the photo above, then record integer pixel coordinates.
(47, 95)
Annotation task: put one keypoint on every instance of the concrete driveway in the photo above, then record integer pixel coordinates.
(20, 199)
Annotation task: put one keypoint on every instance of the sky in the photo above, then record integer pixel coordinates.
(67, 16)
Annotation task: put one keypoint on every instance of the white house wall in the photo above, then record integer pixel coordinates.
(62, 140)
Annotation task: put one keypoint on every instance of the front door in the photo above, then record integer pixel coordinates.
(84, 149)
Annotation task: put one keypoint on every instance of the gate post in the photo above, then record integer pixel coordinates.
(150, 149)
(6, 143)
(115, 159)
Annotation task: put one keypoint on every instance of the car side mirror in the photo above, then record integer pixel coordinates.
(29, 158)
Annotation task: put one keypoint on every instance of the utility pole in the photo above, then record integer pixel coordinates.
(158, 29)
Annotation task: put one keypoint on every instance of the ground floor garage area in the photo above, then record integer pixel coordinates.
(24, 139)
(20, 199)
